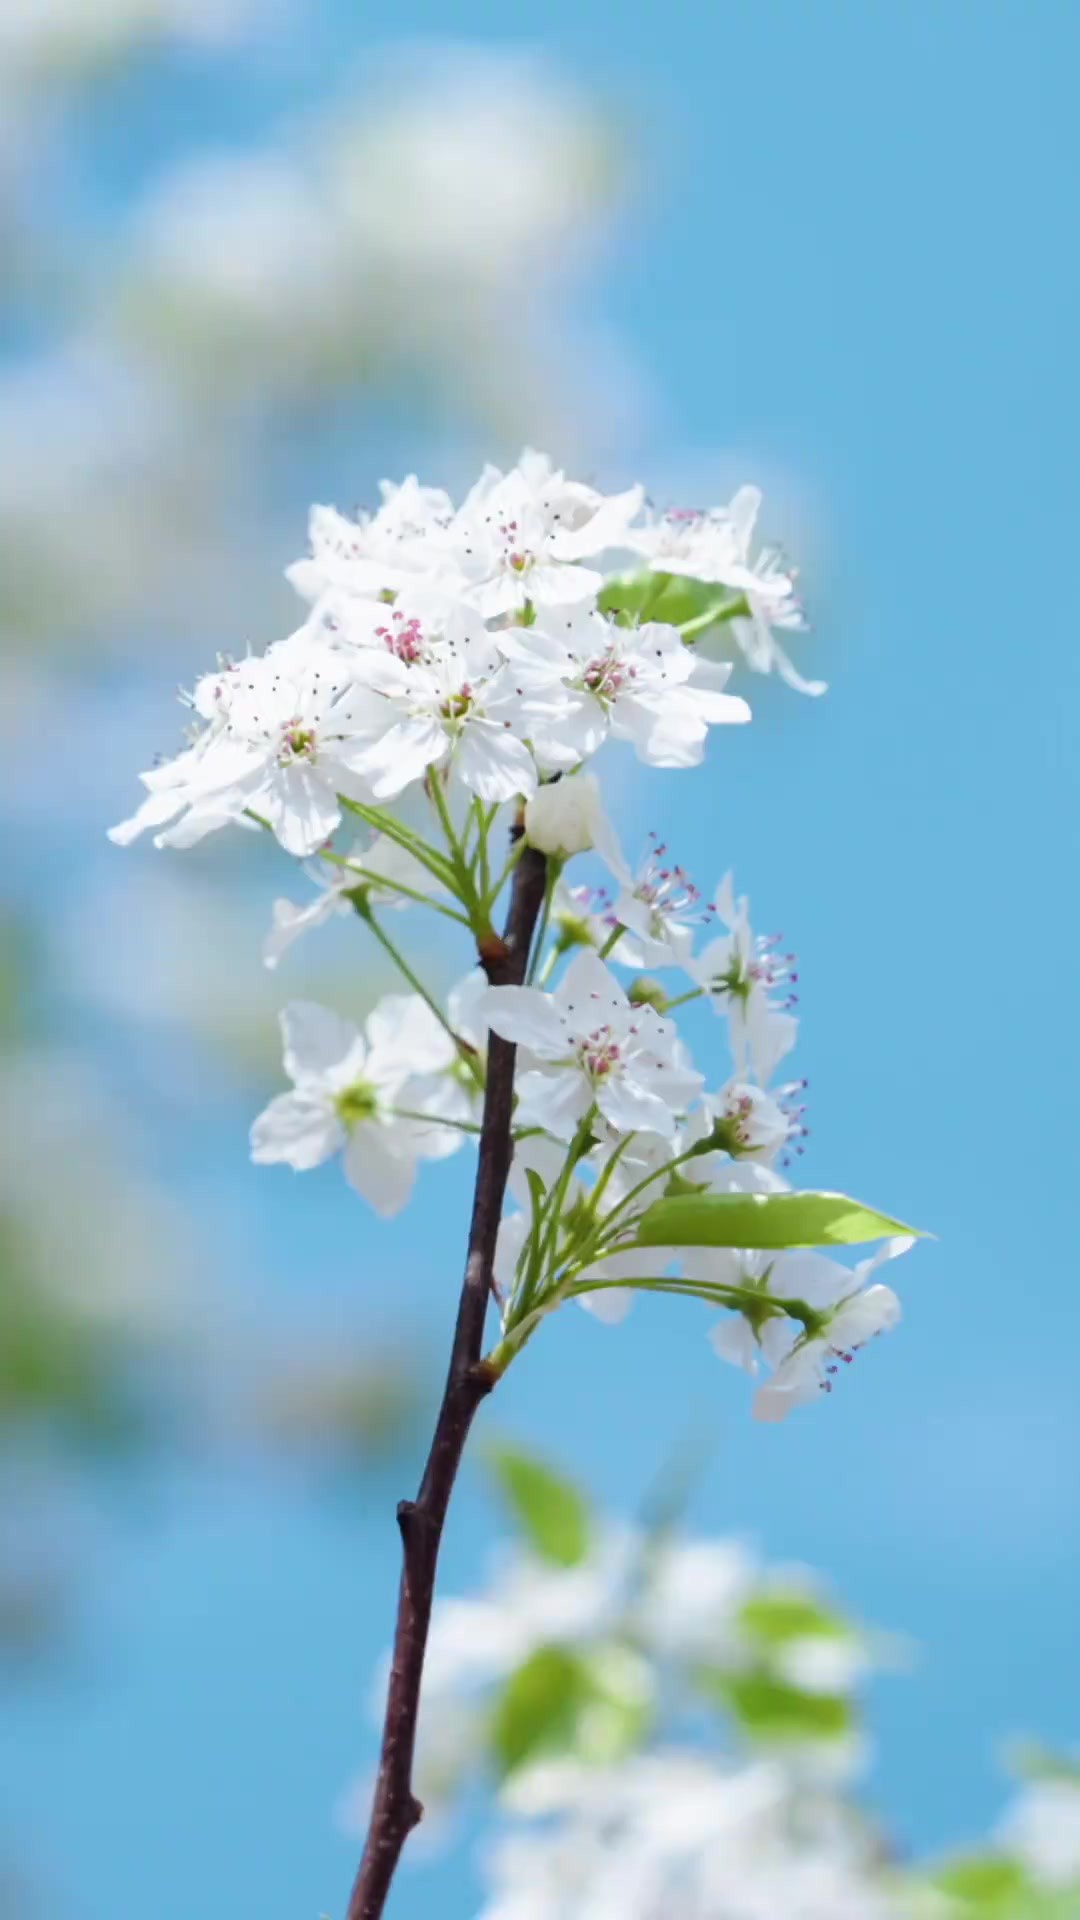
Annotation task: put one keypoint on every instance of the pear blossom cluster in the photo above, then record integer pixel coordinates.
(482, 640)
(638, 1612)
(676, 1831)
(458, 676)
(618, 1807)
(668, 1724)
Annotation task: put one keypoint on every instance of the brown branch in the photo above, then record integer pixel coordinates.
(396, 1810)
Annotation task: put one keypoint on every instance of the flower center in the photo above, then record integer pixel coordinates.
(297, 743)
(732, 1130)
(355, 1103)
(403, 638)
(607, 675)
(667, 893)
(518, 557)
(600, 1053)
(735, 984)
(457, 705)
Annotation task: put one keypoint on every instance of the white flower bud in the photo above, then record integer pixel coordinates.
(564, 817)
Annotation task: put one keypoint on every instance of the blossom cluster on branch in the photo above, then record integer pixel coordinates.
(671, 1726)
(458, 673)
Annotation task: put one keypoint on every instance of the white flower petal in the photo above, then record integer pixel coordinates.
(375, 1171)
(493, 764)
(300, 1129)
(301, 808)
(315, 1041)
(526, 1016)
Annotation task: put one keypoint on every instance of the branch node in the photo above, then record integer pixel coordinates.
(494, 953)
(483, 1377)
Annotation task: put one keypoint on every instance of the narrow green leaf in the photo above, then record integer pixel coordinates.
(763, 1220)
(551, 1512)
(386, 823)
(537, 1191)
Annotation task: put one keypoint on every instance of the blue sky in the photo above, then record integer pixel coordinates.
(849, 269)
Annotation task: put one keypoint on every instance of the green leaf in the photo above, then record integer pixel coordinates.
(538, 1708)
(771, 1709)
(537, 1190)
(1033, 1761)
(772, 1220)
(551, 1512)
(987, 1882)
(774, 1618)
(994, 1887)
(675, 599)
(595, 1707)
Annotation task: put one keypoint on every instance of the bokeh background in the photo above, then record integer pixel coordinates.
(254, 255)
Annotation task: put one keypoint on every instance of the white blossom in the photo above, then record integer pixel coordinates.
(693, 542)
(580, 916)
(593, 1048)
(810, 1366)
(527, 1604)
(751, 1123)
(348, 1088)
(677, 1832)
(804, 1364)
(715, 546)
(740, 972)
(691, 1608)
(768, 587)
(1042, 1829)
(519, 538)
(637, 683)
(279, 747)
(379, 552)
(452, 705)
(659, 906)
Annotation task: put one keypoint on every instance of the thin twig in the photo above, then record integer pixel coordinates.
(396, 1810)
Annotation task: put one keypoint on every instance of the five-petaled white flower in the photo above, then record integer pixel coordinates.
(593, 1048)
(279, 748)
(352, 1091)
(740, 972)
(749, 1122)
(520, 537)
(450, 703)
(804, 1363)
(375, 553)
(637, 683)
(768, 588)
(715, 547)
(659, 906)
